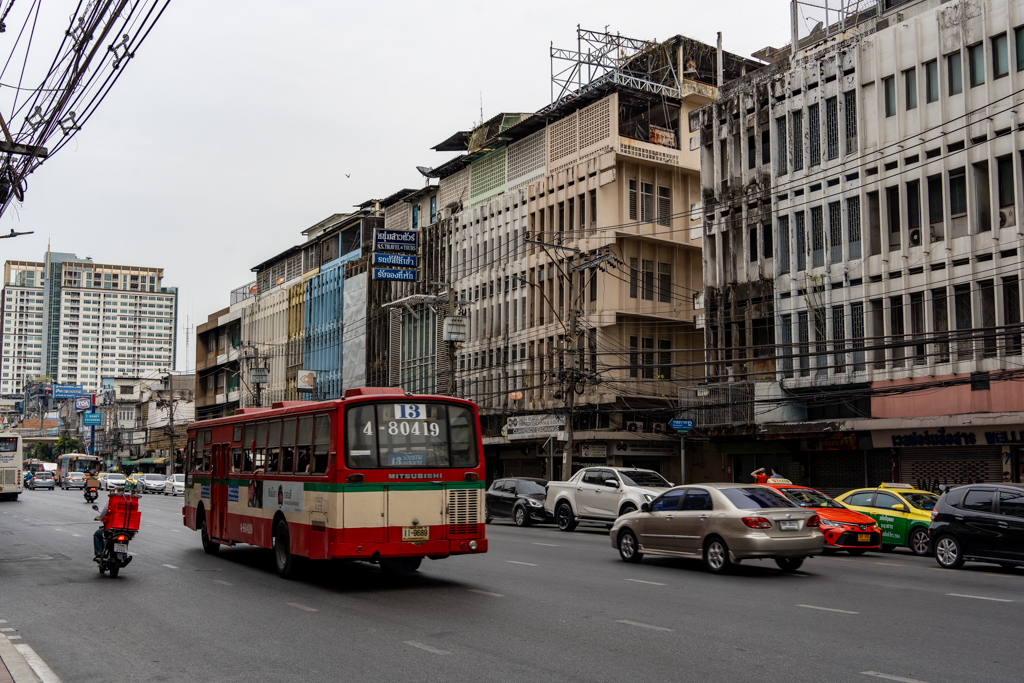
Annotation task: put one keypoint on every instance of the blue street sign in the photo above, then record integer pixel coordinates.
(83, 402)
(401, 241)
(92, 419)
(67, 390)
(682, 425)
(394, 274)
(395, 260)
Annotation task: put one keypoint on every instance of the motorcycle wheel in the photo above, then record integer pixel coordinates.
(113, 571)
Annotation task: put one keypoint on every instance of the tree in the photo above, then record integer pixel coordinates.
(67, 444)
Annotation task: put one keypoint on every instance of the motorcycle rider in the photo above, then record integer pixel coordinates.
(97, 537)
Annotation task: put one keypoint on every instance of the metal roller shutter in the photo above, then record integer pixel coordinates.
(926, 468)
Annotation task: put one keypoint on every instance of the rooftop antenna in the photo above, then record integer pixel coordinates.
(481, 107)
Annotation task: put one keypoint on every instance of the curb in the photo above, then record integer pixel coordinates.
(16, 663)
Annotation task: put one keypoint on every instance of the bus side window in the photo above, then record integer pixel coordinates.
(207, 440)
(261, 447)
(305, 447)
(248, 444)
(190, 450)
(462, 437)
(288, 446)
(206, 460)
(321, 443)
(273, 446)
(236, 460)
(360, 437)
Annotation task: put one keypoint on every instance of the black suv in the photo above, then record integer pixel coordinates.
(521, 498)
(979, 522)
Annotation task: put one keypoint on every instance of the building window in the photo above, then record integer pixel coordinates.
(1004, 170)
(857, 335)
(782, 266)
(954, 74)
(801, 243)
(917, 327)
(803, 332)
(433, 210)
(940, 324)
(910, 88)
(648, 358)
(935, 207)
(931, 81)
(415, 217)
(896, 327)
(766, 147)
(814, 135)
(632, 199)
(832, 127)
(786, 351)
(664, 282)
(1011, 314)
(962, 313)
(957, 193)
(798, 140)
(781, 151)
(664, 359)
(751, 151)
(648, 290)
(914, 205)
(664, 206)
(839, 338)
(633, 275)
(766, 240)
(752, 244)
(817, 237)
(889, 84)
(1000, 57)
(634, 358)
(850, 105)
(593, 284)
(1018, 35)
(976, 62)
(646, 202)
(988, 318)
(835, 232)
(892, 201)
(853, 226)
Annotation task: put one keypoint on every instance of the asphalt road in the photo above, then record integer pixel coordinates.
(542, 605)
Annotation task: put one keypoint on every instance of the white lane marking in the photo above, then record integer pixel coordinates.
(829, 609)
(652, 583)
(13, 637)
(77, 535)
(891, 564)
(302, 607)
(6, 630)
(528, 564)
(170, 566)
(549, 545)
(890, 677)
(44, 672)
(3, 621)
(977, 597)
(493, 595)
(423, 646)
(223, 583)
(642, 625)
(1009, 575)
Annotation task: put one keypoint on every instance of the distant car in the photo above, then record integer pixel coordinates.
(133, 481)
(41, 480)
(521, 499)
(174, 485)
(151, 483)
(903, 513)
(723, 524)
(112, 480)
(843, 528)
(74, 480)
(979, 523)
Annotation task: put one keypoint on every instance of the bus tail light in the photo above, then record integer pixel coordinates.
(472, 476)
(472, 545)
(757, 522)
(355, 477)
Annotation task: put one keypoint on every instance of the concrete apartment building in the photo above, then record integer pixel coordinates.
(862, 264)
(87, 320)
(605, 302)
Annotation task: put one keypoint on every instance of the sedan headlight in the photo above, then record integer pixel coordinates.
(648, 497)
(535, 503)
(830, 522)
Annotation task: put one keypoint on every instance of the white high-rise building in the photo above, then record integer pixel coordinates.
(74, 321)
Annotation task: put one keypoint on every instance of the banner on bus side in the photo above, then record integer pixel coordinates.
(276, 495)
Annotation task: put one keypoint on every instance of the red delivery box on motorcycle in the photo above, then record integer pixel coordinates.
(122, 512)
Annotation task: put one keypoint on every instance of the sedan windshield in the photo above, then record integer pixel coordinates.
(922, 501)
(528, 487)
(155, 477)
(754, 498)
(115, 477)
(180, 478)
(641, 478)
(809, 498)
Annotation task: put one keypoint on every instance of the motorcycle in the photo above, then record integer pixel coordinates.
(115, 549)
(90, 494)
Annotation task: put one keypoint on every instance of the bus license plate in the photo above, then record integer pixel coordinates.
(789, 525)
(120, 547)
(415, 533)
(863, 538)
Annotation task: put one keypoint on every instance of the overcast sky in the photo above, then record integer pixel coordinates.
(235, 125)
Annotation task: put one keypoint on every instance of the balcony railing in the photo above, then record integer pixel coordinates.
(725, 403)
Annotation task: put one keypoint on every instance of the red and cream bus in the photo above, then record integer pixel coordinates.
(380, 475)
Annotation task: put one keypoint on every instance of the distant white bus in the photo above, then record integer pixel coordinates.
(11, 483)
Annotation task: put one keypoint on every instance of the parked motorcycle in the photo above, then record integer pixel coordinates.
(115, 549)
(90, 494)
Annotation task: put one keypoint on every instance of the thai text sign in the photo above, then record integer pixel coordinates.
(535, 426)
(395, 260)
(396, 241)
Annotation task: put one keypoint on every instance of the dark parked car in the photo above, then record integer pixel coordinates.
(981, 523)
(521, 498)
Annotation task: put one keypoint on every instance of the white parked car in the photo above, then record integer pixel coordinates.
(601, 494)
(112, 480)
(175, 485)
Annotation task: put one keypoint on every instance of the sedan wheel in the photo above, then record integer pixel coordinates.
(948, 554)
(789, 564)
(628, 547)
(716, 556)
(919, 541)
(520, 517)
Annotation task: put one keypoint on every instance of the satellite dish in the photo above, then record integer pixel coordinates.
(425, 170)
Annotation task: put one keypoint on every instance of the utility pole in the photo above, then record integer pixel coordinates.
(570, 399)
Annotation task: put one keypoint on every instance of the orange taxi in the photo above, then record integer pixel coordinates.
(843, 528)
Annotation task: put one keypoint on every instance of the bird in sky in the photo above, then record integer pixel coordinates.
(15, 234)
(348, 175)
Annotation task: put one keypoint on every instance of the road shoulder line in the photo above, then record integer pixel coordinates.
(21, 671)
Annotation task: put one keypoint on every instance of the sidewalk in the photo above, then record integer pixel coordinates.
(14, 668)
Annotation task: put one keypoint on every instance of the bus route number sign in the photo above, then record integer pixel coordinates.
(410, 411)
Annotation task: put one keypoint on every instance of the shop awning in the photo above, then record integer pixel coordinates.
(148, 461)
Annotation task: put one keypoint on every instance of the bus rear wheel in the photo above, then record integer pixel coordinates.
(283, 559)
(400, 565)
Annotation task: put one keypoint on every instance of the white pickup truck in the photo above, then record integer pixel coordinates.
(601, 494)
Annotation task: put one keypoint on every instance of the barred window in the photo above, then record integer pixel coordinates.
(783, 259)
(646, 202)
(798, 140)
(804, 349)
(839, 338)
(782, 147)
(814, 133)
(633, 276)
(850, 102)
(832, 126)
(835, 232)
(857, 335)
(801, 243)
(632, 199)
(786, 337)
(664, 282)
(817, 237)
(664, 206)
(648, 290)
(853, 226)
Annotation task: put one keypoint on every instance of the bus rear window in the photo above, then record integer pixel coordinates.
(8, 444)
(410, 435)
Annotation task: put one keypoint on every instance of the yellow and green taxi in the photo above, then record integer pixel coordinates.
(903, 513)
(133, 481)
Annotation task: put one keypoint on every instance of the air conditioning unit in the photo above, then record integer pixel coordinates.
(634, 426)
(936, 232)
(915, 237)
(659, 428)
(1007, 217)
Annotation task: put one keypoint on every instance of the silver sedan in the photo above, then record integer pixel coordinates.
(723, 524)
